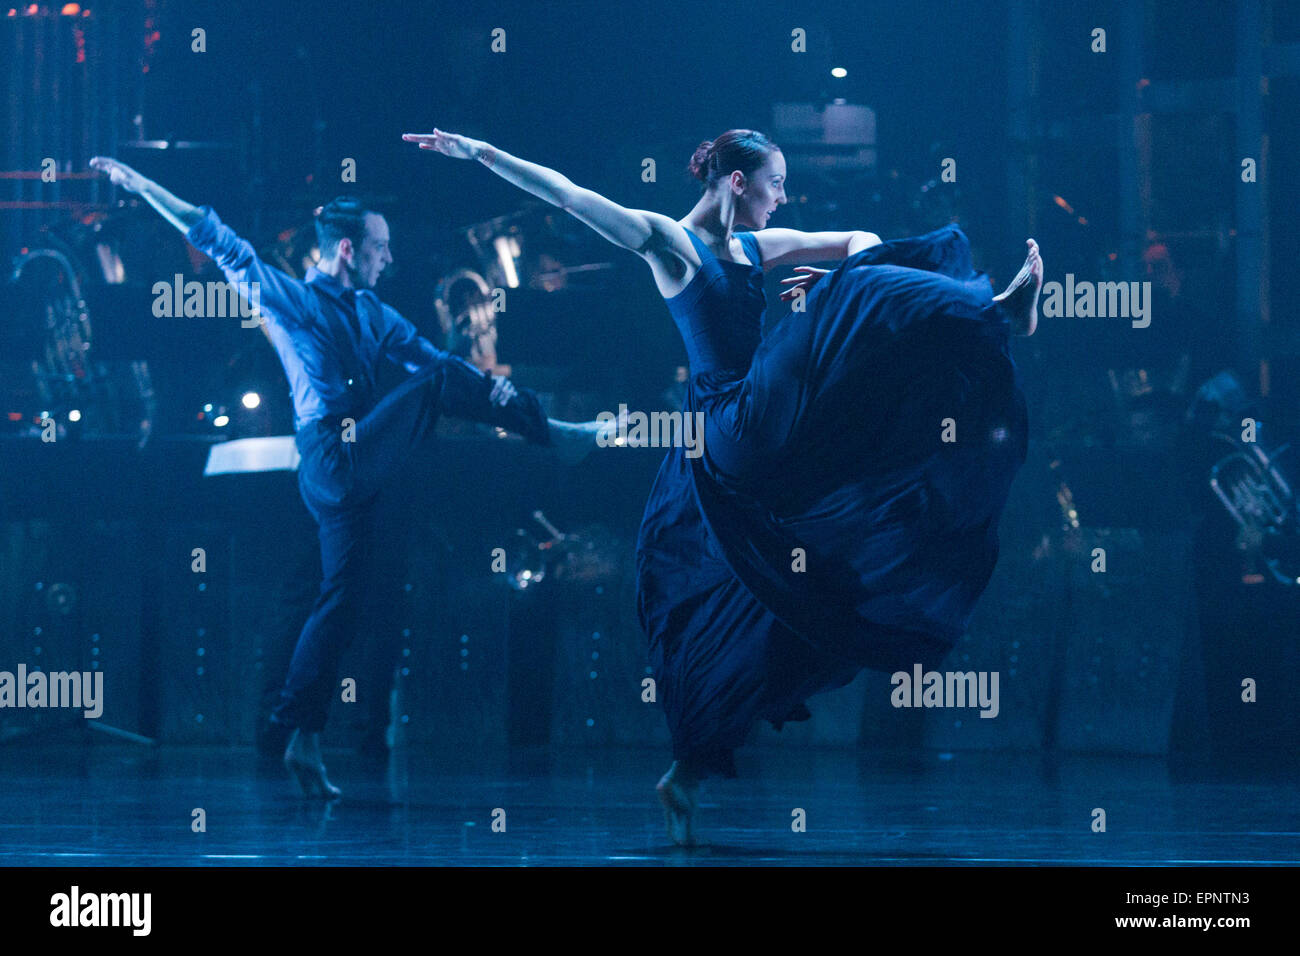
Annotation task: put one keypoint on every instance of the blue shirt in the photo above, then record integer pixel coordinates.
(330, 339)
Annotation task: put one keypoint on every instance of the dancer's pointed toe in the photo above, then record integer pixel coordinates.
(303, 761)
(1019, 301)
(312, 779)
(574, 441)
(677, 791)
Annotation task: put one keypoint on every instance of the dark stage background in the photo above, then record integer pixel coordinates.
(1126, 165)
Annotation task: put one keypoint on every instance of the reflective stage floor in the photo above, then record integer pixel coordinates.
(113, 804)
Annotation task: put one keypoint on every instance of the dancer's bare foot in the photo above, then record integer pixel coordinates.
(574, 441)
(1019, 301)
(302, 759)
(678, 790)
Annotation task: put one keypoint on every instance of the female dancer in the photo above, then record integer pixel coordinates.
(856, 460)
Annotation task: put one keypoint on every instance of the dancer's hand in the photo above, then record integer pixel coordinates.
(502, 391)
(805, 282)
(449, 144)
(119, 173)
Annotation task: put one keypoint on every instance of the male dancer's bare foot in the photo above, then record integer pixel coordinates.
(1019, 301)
(678, 790)
(302, 759)
(574, 441)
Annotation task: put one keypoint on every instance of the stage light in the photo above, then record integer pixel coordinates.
(74, 415)
(207, 407)
(221, 421)
(507, 251)
(110, 263)
(70, 9)
(839, 72)
(251, 400)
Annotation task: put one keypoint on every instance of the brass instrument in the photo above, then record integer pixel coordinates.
(1251, 481)
(1260, 500)
(49, 369)
(468, 319)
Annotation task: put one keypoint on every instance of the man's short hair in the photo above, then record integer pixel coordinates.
(344, 217)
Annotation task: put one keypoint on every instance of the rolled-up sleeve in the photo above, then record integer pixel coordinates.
(279, 296)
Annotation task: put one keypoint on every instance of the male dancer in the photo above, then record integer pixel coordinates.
(331, 332)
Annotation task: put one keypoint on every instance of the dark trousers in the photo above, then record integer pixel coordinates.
(340, 475)
(295, 565)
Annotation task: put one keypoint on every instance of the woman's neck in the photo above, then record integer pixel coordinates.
(712, 220)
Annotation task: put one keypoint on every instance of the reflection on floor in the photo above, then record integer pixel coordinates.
(114, 804)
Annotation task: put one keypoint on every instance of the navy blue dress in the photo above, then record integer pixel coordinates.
(844, 511)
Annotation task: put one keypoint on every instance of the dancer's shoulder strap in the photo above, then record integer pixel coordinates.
(750, 244)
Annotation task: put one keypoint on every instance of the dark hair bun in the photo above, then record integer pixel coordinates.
(699, 167)
(737, 149)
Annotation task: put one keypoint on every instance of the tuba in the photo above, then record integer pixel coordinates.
(1253, 488)
(1251, 480)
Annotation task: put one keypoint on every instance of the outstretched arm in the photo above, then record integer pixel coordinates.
(272, 293)
(655, 237)
(176, 211)
(791, 247)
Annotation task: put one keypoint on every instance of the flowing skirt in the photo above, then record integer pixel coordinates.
(844, 512)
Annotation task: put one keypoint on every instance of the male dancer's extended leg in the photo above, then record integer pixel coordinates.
(451, 386)
(408, 414)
